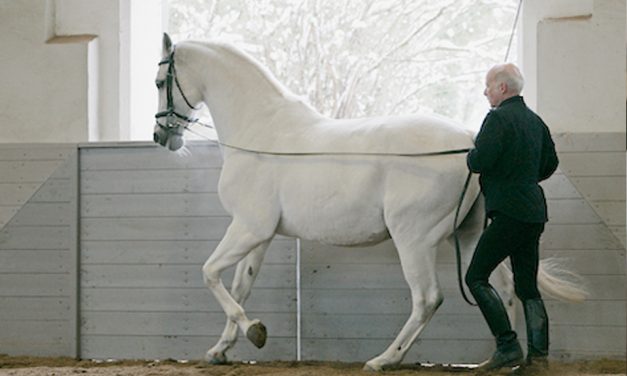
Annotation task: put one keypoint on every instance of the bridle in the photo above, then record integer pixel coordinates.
(171, 127)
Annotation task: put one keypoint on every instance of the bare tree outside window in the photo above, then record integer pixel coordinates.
(357, 58)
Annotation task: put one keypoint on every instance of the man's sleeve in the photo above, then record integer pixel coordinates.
(488, 145)
(549, 160)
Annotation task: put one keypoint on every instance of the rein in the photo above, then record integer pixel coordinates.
(457, 247)
(174, 129)
(446, 152)
(331, 153)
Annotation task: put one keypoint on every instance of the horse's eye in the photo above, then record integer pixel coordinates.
(159, 83)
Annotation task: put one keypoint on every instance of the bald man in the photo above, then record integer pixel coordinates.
(513, 153)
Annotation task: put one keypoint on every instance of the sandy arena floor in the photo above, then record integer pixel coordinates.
(28, 366)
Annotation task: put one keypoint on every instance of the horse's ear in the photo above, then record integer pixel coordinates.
(167, 44)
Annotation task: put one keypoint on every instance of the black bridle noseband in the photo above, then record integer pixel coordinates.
(171, 127)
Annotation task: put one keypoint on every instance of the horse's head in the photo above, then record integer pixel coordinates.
(175, 108)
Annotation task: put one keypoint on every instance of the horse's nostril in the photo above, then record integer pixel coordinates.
(155, 137)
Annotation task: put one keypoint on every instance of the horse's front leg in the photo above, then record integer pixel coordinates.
(245, 275)
(237, 243)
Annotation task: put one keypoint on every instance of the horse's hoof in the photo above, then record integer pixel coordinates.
(257, 334)
(214, 360)
(369, 367)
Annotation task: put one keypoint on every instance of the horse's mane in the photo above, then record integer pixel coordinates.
(262, 71)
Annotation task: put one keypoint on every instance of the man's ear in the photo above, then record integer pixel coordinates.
(503, 87)
(167, 45)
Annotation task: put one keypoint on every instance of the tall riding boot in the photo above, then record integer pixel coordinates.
(508, 352)
(537, 332)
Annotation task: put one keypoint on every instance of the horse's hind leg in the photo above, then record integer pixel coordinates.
(235, 245)
(245, 275)
(418, 263)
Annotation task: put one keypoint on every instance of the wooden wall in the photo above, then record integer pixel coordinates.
(147, 219)
(38, 248)
(355, 301)
(587, 230)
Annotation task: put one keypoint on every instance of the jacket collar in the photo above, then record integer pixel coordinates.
(514, 99)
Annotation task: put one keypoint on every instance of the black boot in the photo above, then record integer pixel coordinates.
(537, 333)
(537, 340)
(508, 352)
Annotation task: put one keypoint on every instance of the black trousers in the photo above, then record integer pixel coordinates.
(508, 237)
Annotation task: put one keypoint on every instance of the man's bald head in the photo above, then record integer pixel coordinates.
(510, 75)
(503, 81)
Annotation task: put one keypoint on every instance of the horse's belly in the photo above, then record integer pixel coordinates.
(344, 229)
(339, 207)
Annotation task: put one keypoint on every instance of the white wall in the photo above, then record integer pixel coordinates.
(64, 88)
(130, 32)
(101, 18)
(534, 11)
(94, 88)
(43, 96)
(574, 63)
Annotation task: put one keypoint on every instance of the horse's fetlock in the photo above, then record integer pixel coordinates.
(236, 317)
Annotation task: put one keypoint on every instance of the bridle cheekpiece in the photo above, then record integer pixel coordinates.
(171, 127)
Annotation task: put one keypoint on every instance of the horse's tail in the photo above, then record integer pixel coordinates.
(556, 281)
(553, 278)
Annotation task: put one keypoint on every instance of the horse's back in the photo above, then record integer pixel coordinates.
(411, 134)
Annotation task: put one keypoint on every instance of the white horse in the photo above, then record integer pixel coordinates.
(351, 187)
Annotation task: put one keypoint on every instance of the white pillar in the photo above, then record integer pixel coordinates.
(533, 12)
(100, 18)
(145, 51)
(129, 33)
(580, 69)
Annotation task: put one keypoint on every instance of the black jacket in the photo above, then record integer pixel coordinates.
(513, 152)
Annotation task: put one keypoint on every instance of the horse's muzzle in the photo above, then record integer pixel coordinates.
(168, 139)
(160, 137)
(159, 140)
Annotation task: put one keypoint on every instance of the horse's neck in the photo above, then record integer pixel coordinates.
(249, 107)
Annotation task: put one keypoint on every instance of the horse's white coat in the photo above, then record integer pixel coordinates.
(341, 200)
